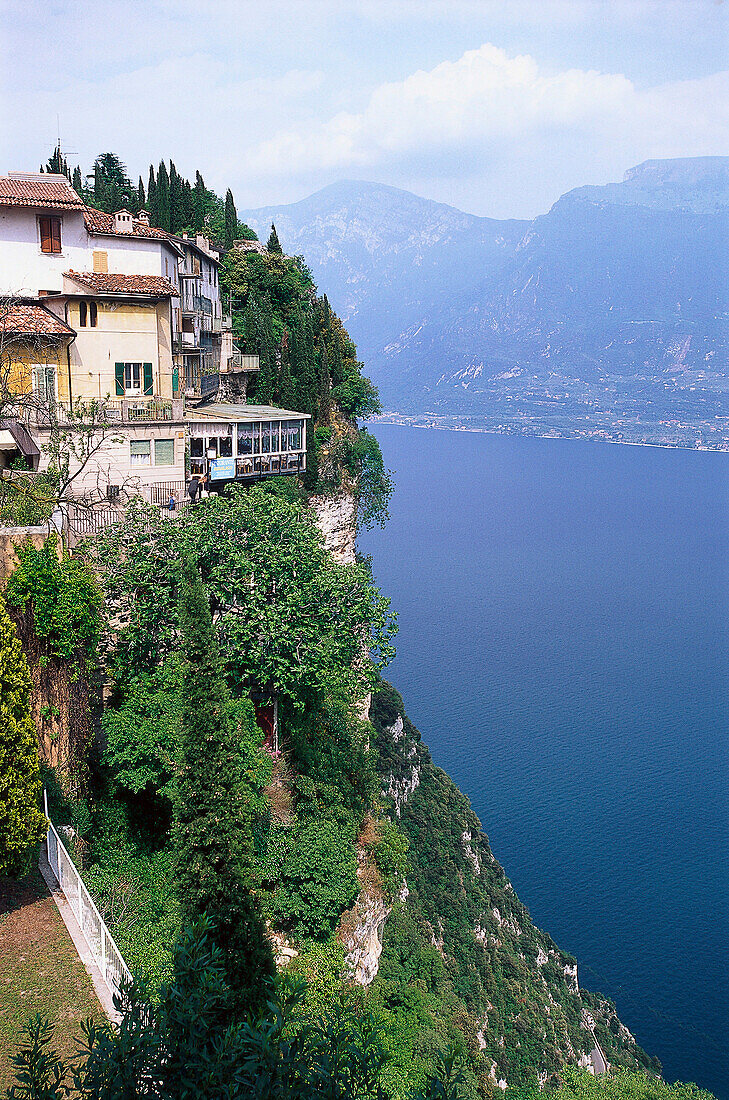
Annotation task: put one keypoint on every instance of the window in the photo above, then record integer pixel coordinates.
(82, 311)
(245, 439)
(44, 384)
(101, 262)
(87, 314)
(133, 379)
(50, 234)
(164, 452)
(140, 452)
(92, 314)
(225, 446)
(197, 449)
(293, 431)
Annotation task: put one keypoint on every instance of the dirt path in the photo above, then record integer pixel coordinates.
(39, 969)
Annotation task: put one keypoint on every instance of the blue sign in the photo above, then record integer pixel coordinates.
(222, 467)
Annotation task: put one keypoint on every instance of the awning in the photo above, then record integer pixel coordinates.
(7, 443)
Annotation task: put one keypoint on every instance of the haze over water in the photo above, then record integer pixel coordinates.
(564, 651)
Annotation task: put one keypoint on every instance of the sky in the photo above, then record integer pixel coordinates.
(494, 106)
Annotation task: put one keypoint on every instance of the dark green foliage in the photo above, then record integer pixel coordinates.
(162, 209)
(62, 598)
(21, 822)
(325, 387)
(231, 220)
(212, 830)
(272, 244)
(318, 881)
(113, 190)
(142, 733)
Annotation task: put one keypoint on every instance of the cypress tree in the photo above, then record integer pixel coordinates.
(273, 244)
(212, 831)
(199, 203)
(77, 182)
(325, 387)
(162, 197)
(286, 388)
(337, 360)
(176, 200)
(231, 220)
(21, 823)
(141, 198)
(188, 207)
(152, 196)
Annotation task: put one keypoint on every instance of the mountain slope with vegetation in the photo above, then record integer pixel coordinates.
(610, 308)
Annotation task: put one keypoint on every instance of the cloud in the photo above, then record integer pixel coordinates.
(491, 112)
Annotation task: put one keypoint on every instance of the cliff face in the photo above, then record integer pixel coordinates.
(524, 1013)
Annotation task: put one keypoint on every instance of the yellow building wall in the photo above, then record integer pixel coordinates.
(125, 333)
(18, 358)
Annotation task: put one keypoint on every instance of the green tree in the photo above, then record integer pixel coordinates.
(231, 220)
(272, 243)
(325, 388)
(113, 190)
(77, 182)
(152, 196)
(212, 829)
(198, 198)
(162, 197)
(21, 823)
(318, 881)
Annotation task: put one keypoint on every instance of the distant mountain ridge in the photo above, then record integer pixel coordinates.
(611, 305)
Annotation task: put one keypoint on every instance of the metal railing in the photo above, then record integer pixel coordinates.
(100, 941)
(131, 409)
(239, 361)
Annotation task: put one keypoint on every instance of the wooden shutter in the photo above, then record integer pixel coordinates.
(119, 379)
(148, 384)
(45, 235)
(101, 262)
(55, 234)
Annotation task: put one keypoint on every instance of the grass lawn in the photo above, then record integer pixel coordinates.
(39, 970)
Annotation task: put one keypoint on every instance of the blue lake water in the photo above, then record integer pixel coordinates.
(564, 651)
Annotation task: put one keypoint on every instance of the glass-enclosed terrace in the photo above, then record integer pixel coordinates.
(231, 442)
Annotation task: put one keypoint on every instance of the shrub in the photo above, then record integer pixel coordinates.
(21, 823)
(319, 881)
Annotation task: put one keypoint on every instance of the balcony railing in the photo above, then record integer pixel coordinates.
(135, 409)
(243, 362)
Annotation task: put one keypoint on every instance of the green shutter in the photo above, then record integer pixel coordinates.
(119, 379)
(148, 386)
(175, 379)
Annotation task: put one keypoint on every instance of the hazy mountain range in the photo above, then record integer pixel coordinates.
(610, 310)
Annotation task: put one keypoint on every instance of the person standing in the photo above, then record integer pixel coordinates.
(192, 489)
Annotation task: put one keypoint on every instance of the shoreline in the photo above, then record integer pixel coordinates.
(399, 423)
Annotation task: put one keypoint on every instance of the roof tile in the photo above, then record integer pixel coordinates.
(45, 190)
(31, 318)
(123, 284)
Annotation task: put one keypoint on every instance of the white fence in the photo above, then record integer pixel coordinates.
(98, 937)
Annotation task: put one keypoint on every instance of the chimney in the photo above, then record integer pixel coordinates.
(123, 222)
(202, 242)
(143, 217)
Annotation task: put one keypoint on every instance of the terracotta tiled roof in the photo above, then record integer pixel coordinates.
(41, 190)
(99, 222)
(124, 284)
(31, 318)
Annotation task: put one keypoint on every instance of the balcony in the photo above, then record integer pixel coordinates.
(243, 362)
(131, 410)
